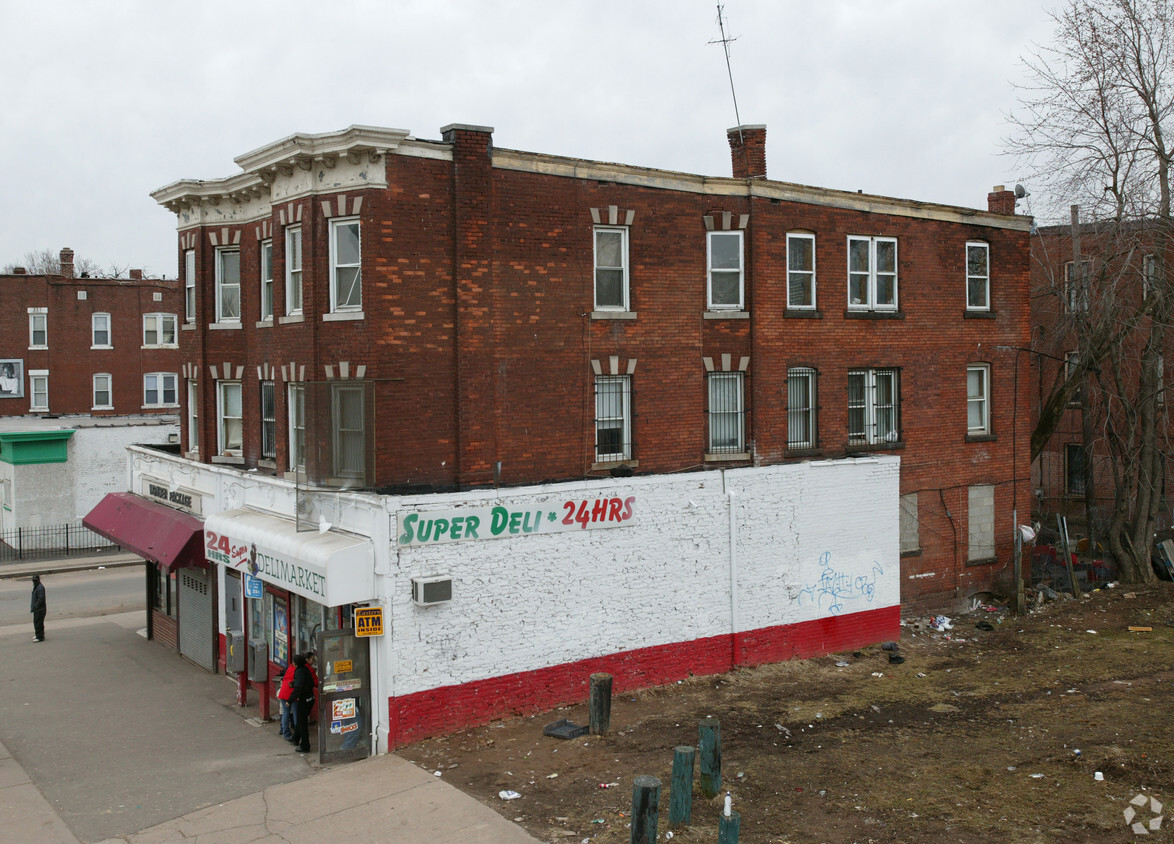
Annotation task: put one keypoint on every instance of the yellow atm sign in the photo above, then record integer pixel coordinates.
(368, 621)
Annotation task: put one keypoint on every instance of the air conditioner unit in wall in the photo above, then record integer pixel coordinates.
(431, 590)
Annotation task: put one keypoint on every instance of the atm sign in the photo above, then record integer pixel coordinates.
(368, 621)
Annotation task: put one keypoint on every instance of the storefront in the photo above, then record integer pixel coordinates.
(295, 591)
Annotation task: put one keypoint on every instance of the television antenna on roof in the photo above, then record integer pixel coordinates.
(725, 41)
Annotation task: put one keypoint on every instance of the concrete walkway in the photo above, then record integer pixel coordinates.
(107, 737)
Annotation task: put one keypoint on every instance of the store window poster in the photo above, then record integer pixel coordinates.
(280, 634)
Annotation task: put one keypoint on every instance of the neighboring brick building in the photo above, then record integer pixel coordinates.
(399, 314)
(95, 346)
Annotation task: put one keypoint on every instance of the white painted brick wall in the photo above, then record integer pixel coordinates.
(98, 458)
(533, 601)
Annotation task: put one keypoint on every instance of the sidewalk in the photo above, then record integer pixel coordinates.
(77, 562)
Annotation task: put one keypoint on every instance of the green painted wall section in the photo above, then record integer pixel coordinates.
(24, 447)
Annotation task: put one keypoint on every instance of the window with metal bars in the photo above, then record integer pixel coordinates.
(873, 407)
(349, 437)
(727, 427)
(268, 420)
(613, 418)
(801, 431)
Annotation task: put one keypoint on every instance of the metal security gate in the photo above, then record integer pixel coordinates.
(195, 617)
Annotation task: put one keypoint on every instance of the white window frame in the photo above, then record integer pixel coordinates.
(39, 390)
(223, 446)
(978, 375)
(189, 285)
(160, 383)
(296, 410)
(871, 274)
(336, 305)
(804, 277)
(726, 417)
(95, 319)
(345, 431)
(622, 231)
(293, 270)
(712, 305)
(38, 324)
(107, 382)
(268, 416)
(801, 385)
(976, 281)
(266, 280)
(1076, 298)
(613, 410)
(873, 411)
(222, 285)
(193, 415)
(157, 324)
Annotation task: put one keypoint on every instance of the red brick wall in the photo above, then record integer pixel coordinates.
(164, 629)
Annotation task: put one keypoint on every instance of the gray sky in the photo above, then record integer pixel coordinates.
(105, 101)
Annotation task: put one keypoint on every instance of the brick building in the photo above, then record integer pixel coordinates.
(386, 312)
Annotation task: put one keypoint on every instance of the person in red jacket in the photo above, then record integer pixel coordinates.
(283, 694)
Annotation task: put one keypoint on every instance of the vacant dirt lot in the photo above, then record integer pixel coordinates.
(979, 736)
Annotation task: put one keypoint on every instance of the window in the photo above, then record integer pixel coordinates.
(613, 418)
(297, 426)
(266, 279)
(726, 428)
(38, 328)
(228, 285)
(800, 270)
(346, 287)
(159, 330)
(910, 526)
(801, 407)
(978, 379)
(725, 270)
(1076, 286)
(873, 406)
(1075, 468)
(293, 271)
(189, 285)
(38, 389)
(349, 440)
(160, 389)
(611, 269)
(1149, 275)
(981, 523)
(1071, 365)
(100, 331)
(268, 421)
(872, 273)
(103, 393)
(229, 430)
(193, 416)
(978, 277)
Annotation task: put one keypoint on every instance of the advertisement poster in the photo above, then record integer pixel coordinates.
(280, 634)
(11, 378)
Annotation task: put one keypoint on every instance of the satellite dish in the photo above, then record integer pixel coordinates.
(1021, 192)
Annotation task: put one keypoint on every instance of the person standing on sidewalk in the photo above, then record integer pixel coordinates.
(37, 608)
(303, 699)
(284, 693)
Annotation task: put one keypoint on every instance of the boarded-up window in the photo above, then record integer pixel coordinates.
(910, 526)
(982, 523)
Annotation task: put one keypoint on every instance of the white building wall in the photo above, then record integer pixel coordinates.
(98, 458)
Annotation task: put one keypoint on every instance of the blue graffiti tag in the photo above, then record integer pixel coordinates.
(834, 587)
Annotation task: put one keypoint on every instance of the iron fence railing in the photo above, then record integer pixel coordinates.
(50, 541)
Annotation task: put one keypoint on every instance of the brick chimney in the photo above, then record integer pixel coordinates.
(67, 263)
(1001, 201)
(136, 275)
(748, 151)
(19, 271)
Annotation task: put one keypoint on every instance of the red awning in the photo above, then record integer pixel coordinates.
(153, 531)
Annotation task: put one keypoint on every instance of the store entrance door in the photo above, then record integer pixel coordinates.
(344, 700)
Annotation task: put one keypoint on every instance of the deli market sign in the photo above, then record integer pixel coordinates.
(300, 576)
(434, 527)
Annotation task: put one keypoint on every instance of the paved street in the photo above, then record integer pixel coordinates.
(75, 594)
(106, 736)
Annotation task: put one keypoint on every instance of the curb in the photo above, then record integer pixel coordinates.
(10, 571)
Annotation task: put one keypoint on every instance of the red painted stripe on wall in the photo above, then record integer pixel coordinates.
(436, 711)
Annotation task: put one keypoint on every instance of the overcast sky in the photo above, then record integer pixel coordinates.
(102, 102)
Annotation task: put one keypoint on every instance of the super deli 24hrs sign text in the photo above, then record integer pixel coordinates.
(472, 523)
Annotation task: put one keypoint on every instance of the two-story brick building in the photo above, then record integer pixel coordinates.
(409, 318)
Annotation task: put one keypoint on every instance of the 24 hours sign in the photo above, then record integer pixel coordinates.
(433, 527)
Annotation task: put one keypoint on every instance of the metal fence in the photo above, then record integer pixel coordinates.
(51, 541)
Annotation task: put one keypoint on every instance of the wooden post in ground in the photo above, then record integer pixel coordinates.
(728, 827)
(645, 797)
(711, 757)
(600, 704)
(681, 793)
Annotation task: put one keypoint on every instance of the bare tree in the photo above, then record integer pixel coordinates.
(47, 262)
(1093, 129)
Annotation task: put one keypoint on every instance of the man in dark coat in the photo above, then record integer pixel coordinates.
(38, 609)
(303, 698)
